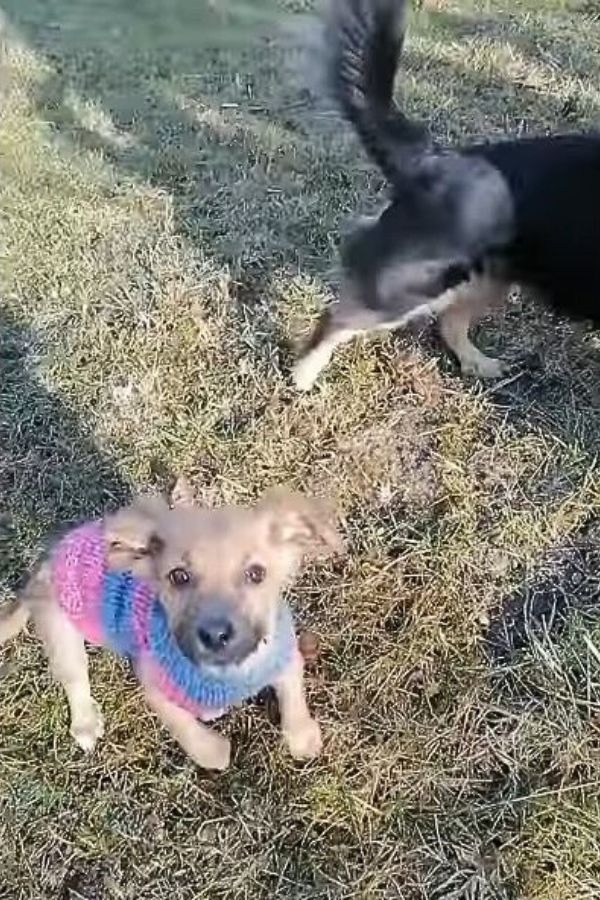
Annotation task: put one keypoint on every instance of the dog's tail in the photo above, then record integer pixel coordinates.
(13, 620)
(365, 38)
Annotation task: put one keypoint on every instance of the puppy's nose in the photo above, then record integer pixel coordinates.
(215, 633)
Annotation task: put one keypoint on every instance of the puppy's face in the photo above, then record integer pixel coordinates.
(220, 572)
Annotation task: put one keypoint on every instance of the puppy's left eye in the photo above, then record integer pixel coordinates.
(179, 577)
(255, 573)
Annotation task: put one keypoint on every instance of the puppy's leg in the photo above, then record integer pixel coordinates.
(301, 732)
(207, 748)
(13, 620)
(329, 334)
(66, 653)
(470, 302)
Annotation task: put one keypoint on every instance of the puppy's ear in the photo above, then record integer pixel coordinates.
(306, 522)
(133, 533)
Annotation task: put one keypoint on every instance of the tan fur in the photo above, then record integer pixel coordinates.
(216, 547)
(470, 302)
(13, 621)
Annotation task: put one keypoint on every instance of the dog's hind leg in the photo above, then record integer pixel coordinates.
(471, 301)
(65, 649)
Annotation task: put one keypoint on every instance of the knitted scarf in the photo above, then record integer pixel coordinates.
(120, 611)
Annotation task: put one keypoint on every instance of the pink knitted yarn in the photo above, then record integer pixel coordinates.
(78, 572)
(151, 673)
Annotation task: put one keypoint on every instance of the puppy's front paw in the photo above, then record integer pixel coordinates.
(88, 727)
(213, 751)
(305, 741)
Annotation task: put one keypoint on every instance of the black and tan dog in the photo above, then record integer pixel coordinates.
(460, 226)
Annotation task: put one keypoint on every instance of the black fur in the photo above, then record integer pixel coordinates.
(528, 209)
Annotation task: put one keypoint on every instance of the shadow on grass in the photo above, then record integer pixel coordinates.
(203, 111)
(479, 106)
(565, 582)
(213, 115)
(202, 107)
(51, 473)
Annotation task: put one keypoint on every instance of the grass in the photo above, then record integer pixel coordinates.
(171, 196)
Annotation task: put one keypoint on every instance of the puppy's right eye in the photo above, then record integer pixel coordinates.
(179, 577)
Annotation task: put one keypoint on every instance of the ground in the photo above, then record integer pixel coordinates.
(173, 187)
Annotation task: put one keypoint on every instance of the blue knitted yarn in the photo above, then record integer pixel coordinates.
(210, 687)
(116, 610)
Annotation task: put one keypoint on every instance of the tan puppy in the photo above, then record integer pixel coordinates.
(219, 574)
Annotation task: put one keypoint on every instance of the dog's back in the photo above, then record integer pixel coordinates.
(555, 184)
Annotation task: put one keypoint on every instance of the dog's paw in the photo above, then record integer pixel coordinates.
(305, 742)
(88, 728)
(305, 373)
(213, 752)
(485, 367)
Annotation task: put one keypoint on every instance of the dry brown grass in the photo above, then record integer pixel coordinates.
(170, 200)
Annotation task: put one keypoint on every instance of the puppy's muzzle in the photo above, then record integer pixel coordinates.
(217, 634)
